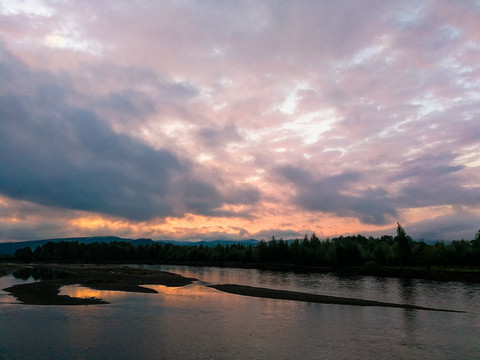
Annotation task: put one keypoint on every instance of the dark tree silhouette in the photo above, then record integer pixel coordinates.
(353, 250)
(403, 247)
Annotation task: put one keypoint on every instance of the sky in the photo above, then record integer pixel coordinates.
(212, 119)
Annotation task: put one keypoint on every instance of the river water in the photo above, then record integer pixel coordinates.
(197, 322)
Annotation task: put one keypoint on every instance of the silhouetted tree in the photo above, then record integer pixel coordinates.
(24, 254)
(402, 244)
(342, 251)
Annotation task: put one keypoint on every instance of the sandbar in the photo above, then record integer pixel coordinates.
(52, 278)
(314, 298)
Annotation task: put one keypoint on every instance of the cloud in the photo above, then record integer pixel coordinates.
(216, 136)
(432, 180)
(56, 154)
(328, 194)
(354, 115)
(456, 226)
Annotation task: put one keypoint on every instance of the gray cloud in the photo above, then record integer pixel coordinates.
(215, 136)
(428, 180)
(428, 166)
(456, 226)
(433, 180)
(327, 194)
(56, 154)
(33, 231)
(128, 103)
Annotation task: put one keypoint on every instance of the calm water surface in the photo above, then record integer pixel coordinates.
(196, 322)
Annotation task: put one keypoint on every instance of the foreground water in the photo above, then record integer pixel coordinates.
(196, 322)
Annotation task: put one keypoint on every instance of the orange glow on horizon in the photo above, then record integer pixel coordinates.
(193, 226)
(265, 221)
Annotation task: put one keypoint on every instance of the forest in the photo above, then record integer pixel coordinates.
(343, 251)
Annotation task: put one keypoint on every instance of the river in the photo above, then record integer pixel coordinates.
(197, 322)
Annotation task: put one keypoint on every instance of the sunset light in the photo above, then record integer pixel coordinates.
(195, 121)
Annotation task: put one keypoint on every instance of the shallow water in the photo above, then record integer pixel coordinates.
(196, 322)
(448, 295)
(7, 281)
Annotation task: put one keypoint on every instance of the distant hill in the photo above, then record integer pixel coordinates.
(9, 248)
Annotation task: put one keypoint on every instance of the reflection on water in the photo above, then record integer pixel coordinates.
(197, 322)
(7, 281)
(407, 290)
(166, 295)
(85, 292)
(36, 274)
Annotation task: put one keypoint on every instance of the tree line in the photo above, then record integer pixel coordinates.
(342, 251)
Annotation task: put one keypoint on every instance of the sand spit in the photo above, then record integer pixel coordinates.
(306, 297)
